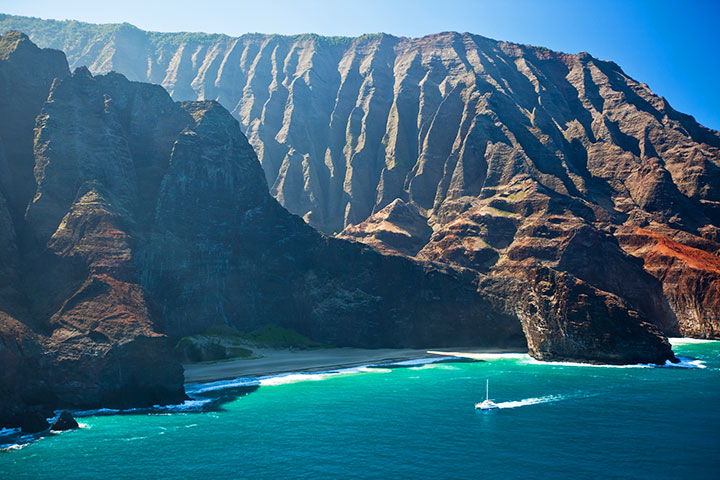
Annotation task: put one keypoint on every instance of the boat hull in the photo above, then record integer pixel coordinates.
(486, 406)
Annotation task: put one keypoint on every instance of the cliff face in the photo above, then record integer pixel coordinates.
(76, 326)
(515, 157)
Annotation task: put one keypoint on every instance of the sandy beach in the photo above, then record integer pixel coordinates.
(283, 361)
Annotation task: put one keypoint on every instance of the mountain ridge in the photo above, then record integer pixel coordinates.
(329, 168)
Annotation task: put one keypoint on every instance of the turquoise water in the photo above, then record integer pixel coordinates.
(558, 421)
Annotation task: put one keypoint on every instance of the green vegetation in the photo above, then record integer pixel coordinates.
(273, 336)
(214, 344)
(60, 32)
(541, 49)
(67, 34)
(326, 41)
(194, 349)
(164, 40)
(71, 35)
(517, 196)
(502, 213)
(222, 342)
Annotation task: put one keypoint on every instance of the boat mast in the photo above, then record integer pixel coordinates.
(487, 389)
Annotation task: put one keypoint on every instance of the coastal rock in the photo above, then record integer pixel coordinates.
(591, 310)
(29, 421)
(65, 421)
(554, 308)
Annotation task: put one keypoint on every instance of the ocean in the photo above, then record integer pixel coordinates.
(411, 421)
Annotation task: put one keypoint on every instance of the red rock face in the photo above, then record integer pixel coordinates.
(690, 276)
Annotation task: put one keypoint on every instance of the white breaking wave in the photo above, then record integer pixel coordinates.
(14, 446)
(295, 377)
(287, 378)
(685, 362)
(197, 388)
(533, 361)
(92, 413)
(530, 401)
(482, 356)
(434, 366)
(8, 431)
(674, 341)
(419, 361)
(20, 442)
(195, 405)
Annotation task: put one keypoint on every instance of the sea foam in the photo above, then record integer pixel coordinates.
(417, 361)
(295, 377)
(8, 431)
(675, 341)
(531, 401)
(95, 412)
(685, 362)
(483, 356)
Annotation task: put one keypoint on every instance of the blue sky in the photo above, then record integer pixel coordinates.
(670, 45)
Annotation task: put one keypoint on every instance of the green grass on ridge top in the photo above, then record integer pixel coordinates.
(52, 32)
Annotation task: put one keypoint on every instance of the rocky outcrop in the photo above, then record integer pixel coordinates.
(564, 318)
(569, 282)
(65, 421)
(397, 228)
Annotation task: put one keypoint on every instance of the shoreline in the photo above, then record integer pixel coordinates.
(283, 361)
(275, 362)
(278, 362)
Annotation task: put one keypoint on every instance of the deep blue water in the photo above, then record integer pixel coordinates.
(559, 421)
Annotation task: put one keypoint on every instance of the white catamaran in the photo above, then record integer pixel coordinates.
(487, 404)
